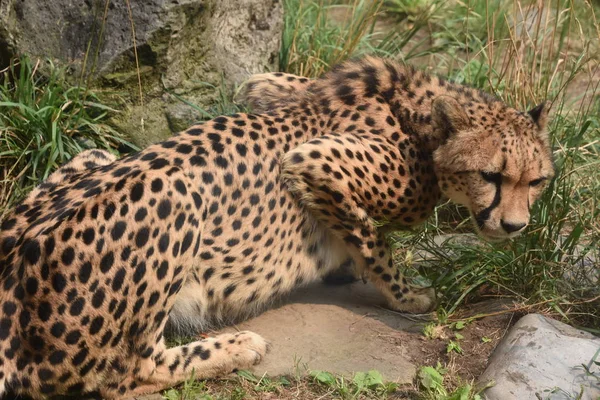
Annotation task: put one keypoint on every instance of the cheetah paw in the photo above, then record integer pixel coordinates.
(245, 348)
(416, 301)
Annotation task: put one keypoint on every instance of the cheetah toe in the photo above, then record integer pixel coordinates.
(417, 301)
(246, 348)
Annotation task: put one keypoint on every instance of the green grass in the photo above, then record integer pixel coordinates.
(312, 42)
(369, 383)
(432, 386)
(44, 122)
(314, 384)
(318, 34)
(431, 383)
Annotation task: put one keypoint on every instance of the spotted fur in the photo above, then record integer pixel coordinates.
(216, 222)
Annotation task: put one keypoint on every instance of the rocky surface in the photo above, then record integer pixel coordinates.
(183, 47)
(340, 329)
(542, 358)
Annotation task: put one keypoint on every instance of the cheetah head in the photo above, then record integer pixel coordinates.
(496, 162)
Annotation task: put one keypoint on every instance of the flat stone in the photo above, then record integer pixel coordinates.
(542, 358)
(339, 329)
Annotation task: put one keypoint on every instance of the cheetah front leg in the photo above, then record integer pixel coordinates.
(338, 178)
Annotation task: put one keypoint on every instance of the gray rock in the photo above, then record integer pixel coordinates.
(179, 116)
(186, 47)
(339, 329)
(541, 358)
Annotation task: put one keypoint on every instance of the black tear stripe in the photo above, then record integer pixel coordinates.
(485, 214)
(492, 177)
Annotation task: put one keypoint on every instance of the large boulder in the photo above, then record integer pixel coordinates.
(543, 358)
(185, 49)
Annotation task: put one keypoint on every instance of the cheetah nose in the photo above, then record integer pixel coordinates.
(510, 227)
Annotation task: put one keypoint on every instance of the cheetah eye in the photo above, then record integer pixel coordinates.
(492, 177)
(536, 182)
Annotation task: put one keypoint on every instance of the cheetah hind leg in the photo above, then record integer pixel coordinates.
(343, 275)
(203, 359)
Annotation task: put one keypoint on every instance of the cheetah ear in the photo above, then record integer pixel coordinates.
(448, 116)
(539, 114)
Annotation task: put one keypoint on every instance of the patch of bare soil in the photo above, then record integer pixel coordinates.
(476, 341)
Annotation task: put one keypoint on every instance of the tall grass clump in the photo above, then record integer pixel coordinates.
(318, 34)
(44, 122)
(313, 40)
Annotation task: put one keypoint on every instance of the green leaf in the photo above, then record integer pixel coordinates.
(462, 393)
(370, 380)
(326, 378)
(459, 325)
(454, 346)
(247, 375)
(430, 378)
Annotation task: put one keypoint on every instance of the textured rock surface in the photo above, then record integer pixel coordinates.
(542, 358)
(339, 329)
(182, 45)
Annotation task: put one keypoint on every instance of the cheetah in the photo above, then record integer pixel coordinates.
(214, 223)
